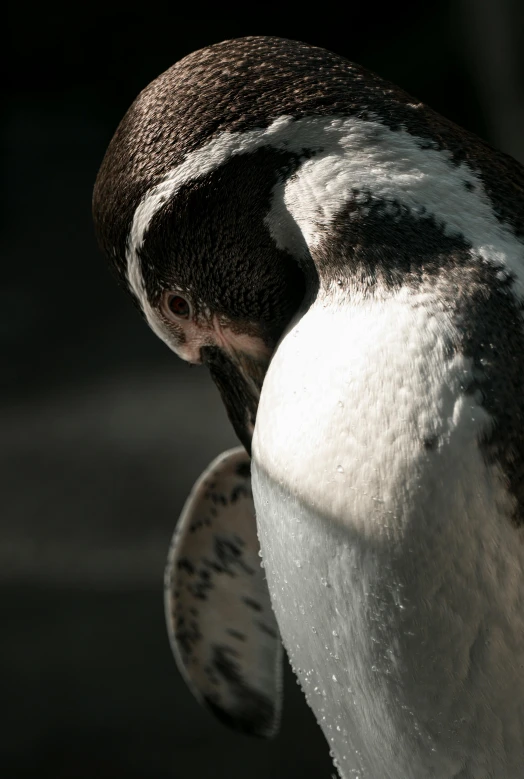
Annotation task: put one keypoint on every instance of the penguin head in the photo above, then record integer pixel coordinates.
(191, 201)
(180, 209)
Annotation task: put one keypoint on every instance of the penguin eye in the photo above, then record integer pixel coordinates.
(176, 306)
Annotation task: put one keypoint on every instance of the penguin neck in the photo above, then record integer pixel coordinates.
(380, 517)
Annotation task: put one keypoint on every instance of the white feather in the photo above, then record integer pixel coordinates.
(394, 570)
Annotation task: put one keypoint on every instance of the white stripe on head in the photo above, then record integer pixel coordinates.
(353, 158)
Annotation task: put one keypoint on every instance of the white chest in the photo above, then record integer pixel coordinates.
(393, 568)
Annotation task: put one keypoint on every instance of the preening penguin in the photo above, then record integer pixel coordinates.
(350, 267)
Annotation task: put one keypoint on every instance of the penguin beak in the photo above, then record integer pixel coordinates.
(239, 378)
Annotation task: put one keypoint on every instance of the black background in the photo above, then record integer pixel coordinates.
(103, 429)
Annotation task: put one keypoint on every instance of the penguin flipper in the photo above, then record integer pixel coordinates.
(221, 625)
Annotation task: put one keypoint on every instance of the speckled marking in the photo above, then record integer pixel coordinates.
(222, 627)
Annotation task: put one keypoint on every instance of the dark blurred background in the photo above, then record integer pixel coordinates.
(104, 430)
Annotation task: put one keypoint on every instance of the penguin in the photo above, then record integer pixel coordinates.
(349, 265)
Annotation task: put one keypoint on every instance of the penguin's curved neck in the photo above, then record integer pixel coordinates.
(387, 488)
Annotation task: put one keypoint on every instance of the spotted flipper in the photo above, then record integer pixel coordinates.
(221, 626)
